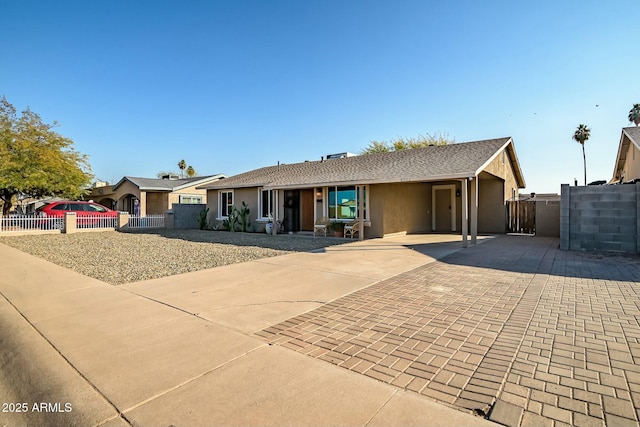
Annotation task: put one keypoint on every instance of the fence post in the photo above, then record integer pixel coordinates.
(69, 223)
(123, 221)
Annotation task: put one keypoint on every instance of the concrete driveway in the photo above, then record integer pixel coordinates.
(369, 333)
(183, 350)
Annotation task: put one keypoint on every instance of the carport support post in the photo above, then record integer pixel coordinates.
(465, 213)
(474, 210)
(361, 212)
(274, 228)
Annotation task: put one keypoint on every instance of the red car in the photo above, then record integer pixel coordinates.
(93, 213)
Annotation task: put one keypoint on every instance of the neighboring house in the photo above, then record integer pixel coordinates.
(409, 191)
(628, 160)
(147, 196)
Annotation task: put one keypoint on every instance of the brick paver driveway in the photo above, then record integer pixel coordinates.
(512, 328)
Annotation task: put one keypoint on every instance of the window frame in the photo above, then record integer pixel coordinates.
(270, 199)
(334, 189)
(191, 196)
(225, 215)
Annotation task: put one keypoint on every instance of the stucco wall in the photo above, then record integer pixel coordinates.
(548, 218)
(247, 195)
(491, 207)
(632, 164)
(398, 208)
(156, 203)
(502, 167)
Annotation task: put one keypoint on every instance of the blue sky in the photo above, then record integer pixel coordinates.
(231, 86)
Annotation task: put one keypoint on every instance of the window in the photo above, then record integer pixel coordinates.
(225, 203)
(95, 208)
(344, 203)
(266, 203)
(190, 200)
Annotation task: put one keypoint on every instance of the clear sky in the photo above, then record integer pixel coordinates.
(234, 85)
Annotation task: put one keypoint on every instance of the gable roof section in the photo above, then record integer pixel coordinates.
(630, 135)
(159, 184)
(440, 162)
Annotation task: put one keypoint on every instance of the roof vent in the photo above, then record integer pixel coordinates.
(339, 155)
(170, 177)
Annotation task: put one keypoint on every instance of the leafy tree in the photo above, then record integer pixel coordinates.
(36, 161)
(407, 143)
(182, 165)
(634, 114)
(581, 135)
(191, 172)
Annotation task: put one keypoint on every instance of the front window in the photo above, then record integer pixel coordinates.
(190, 200)
(225, 203)
(266, 203)
(344, 203)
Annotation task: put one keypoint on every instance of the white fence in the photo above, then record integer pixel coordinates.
(22, 223)
(149, 221)
(97, 221)
(35, 224)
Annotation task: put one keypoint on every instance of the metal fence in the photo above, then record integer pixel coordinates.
(149, 221)
(20, 223)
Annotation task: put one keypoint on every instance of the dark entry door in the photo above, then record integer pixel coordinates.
(291, 210)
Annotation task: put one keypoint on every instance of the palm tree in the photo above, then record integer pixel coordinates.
(581, 135)
(634, 114)
(191, 172)
(182, 165)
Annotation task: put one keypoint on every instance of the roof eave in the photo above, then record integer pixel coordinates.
(400, 180)
(509, 146)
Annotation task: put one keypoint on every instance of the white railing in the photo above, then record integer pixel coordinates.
(149, 221)
(20, 223)
(96, 221)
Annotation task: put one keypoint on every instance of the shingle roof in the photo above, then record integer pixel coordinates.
(159, 184)
(634, 134)
(420, 164)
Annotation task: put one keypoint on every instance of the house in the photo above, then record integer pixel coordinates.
(147, 196)
(627, 166)
(447, 188)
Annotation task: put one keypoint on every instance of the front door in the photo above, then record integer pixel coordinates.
(306, 209)
(443, 210)
(291, 211)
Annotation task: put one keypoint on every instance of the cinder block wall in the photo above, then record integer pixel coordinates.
(600, 218)
(186, 216)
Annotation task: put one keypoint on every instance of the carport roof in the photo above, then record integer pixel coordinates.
(161, 184)
(434, 163)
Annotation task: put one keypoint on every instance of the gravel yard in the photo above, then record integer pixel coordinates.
(118, 258)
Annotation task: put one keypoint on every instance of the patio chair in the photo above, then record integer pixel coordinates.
(351, 229)
(321, 225)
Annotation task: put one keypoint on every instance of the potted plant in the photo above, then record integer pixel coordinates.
(268, 228)
(338, 228)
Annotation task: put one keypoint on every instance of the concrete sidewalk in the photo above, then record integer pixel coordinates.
(183, 351)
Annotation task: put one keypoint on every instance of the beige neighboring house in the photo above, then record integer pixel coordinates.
(458, 188)
(148, 196)
(628, 159)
